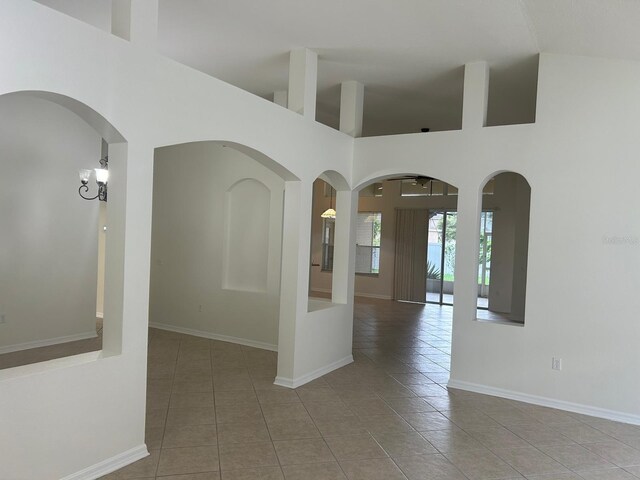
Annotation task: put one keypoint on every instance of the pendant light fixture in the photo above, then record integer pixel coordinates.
(329, 212)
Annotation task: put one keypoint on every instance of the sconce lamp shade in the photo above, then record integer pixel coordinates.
(102, 175)
(84, 175)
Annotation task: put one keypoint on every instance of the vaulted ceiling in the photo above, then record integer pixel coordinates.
(408, 53)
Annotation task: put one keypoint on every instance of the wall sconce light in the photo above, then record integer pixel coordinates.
(102, 175)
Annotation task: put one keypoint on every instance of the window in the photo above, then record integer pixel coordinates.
(368, 228)
(328, 230)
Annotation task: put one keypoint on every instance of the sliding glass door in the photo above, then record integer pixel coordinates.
(441, 255)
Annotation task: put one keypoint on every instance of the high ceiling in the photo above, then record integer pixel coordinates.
(409, 54)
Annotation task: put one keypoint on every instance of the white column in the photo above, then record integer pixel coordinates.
(136, 21)
(351, 108)
(294, 281)
(476, 95)
(303, 82)
(344, 252)
(280, 98)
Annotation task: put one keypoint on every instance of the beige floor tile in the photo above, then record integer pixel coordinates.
(575, 457)
(372, 469)
(153, 437)
(530, 461)
(282, 395)
(295, 452)
(191, 399)
(610, 474)
(540, 435)
(634, 470)
(497, 437)
(581, 433)
(556, 476)
(401, 444)
(234, 456)
(342, 426)
(616, 452)
(156, 417)
(239, 432)
(293, 429)
(427, 421)
(481, 464)
(321, 393)
(333, 409)
(260, 473)
(192, 476)
(409, 405)
(453, 439)
(204, 385)
(176, 461)
(314, 471)
(355, 447)
(241, 412)
(428, 467)
(374, 406)
(277, 412)
(191, 416)
(385, 424)
(235, 397)
(189, 436)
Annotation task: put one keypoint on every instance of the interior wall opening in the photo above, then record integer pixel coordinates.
(53, 245)
(216, 244)
(503, 248)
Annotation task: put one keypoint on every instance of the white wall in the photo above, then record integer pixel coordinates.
(139, 101)
(216, 244)
(48, 234)
(580, 135)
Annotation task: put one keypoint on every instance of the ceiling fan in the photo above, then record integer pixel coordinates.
(417, 179)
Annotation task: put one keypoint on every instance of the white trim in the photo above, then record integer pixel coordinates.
(357, 294)
(110, 464)
(373, 295)
(99, 315)
(306, 378)
(547, 402)
(48, 342)
(215, 336)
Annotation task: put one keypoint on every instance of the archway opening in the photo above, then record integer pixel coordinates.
(503, 248)
(54, 271)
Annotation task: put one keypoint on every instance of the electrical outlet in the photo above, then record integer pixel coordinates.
(3, 318)
(556, 363)
(200, 308)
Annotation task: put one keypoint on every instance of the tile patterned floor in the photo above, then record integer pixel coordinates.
(214, 413)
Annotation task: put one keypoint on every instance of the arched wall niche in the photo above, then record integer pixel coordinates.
(247, 219)
(61, 228)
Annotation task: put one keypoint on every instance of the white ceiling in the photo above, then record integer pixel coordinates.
(408, 53)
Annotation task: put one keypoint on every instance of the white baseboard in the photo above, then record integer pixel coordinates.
(215, 336)
(357, 294)
(373, 295)
(110, 465)
(47, 342)
(306, 378)
(547, 402)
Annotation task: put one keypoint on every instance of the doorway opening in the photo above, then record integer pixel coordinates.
(441, 256)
